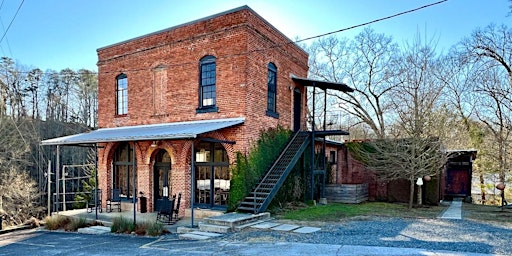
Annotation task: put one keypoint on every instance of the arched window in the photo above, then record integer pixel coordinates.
(121, 94)
(124, 173)
(212, 175)
(207, 82)
(272, 90)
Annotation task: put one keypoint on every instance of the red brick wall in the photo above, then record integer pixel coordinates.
(163, 81)
(243, 44)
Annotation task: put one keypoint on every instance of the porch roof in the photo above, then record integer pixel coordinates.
(178, 130)
(322, 84)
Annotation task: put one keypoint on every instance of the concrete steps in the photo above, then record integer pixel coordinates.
(217, 225)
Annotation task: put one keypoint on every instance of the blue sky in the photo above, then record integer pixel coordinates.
(55, 34)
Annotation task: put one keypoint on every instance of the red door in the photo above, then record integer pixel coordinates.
(457, 182)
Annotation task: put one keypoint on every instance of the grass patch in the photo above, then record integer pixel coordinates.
(122, 225)
(77, 223)
(486, 213)
(56, 222)
(149, 228)
(339, 211)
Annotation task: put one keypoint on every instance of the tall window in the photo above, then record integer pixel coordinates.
(124, 172)
(212, 175)
(207, 81)
(272, 90)
(121, 94)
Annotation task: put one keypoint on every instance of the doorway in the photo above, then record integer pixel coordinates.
(297, 109)
(162, 177)
(212, 176)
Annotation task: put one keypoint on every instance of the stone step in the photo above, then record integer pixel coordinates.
(95, 230)
(214, 228)
(236, 219)
(250, 224)
(198, 235)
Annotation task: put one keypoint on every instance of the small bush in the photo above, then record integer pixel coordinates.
(141, 228)
(122, 225)
(155, 229)
(33, 222)
(75, 224)
(56, 222)
(149, 228)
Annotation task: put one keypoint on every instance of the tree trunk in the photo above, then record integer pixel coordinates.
(482, 187)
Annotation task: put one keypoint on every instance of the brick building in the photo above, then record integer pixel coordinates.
(193, 94)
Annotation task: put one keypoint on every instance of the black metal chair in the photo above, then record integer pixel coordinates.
(114, 200)
(166, 211)
(177, 208)
(91, 204)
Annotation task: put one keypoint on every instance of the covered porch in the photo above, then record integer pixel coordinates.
(158, 161)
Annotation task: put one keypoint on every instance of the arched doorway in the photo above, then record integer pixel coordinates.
(212, 177)
(162, 177)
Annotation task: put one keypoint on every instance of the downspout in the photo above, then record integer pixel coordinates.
(134, 167)
(192, 178)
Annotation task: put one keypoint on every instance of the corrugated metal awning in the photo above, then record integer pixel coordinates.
(180, 130)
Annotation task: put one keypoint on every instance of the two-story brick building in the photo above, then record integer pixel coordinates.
(208, 86)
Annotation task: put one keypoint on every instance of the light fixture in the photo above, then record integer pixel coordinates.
(154, 144)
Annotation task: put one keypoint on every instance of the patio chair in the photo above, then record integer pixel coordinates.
(91, 204)
(114, 200)
(166, 211)
(177, 208)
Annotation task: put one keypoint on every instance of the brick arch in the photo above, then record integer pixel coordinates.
(214, 135)
(152, 151)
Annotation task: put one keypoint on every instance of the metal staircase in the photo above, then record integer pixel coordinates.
(261, 196)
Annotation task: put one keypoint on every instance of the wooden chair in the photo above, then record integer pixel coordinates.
(91, 204)
(114, 200)
(166, 211)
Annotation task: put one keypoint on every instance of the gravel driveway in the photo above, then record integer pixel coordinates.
(431, 234)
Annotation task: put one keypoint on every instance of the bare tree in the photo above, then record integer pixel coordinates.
(68, 79)
(33, 79)
(489, 51)
(19, 191)
(408, 158)
(417, 151)
(365, 64)
(87, 95)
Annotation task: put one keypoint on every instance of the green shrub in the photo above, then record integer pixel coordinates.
(77, 223)
(249, 168)
(122, 225)
(56, 222)
(155, 229)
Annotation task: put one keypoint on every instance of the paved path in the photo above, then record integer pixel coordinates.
(67, 243)
(454, 212)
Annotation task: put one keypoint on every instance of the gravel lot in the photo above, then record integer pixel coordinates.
(431, 234)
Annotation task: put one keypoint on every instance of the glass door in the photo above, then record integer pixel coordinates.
(162, 178)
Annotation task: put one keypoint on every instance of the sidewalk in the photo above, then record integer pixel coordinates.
(454, 212)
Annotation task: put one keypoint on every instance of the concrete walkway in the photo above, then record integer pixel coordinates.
(454, 212)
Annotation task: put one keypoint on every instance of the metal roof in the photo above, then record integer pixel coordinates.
(180, 130)
(322, 84)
